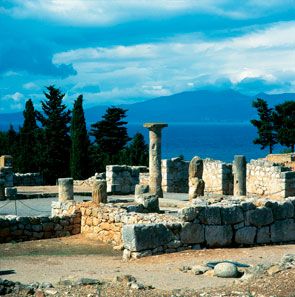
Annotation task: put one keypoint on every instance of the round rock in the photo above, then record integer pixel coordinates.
(226, 270)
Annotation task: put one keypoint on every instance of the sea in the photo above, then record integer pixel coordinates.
(219, 141)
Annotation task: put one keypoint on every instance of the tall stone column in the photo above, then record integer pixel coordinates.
(239, 172)
(65, 189)
(155, 158)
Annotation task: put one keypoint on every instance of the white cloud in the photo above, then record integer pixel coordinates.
(149, 70)
(106, 12)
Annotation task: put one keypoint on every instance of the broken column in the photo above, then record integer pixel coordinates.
(65, 189)
(196, 183)
(239, 173)
(155, 158)
(99, 191)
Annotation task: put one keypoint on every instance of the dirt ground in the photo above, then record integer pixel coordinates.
(76, 257)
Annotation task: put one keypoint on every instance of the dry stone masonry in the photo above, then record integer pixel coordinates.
(121, 179)
(271, 180)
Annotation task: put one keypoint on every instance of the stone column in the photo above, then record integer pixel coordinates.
(239, 172)
(155, 158)
(196, 183)
(99, 191)
(65, 189)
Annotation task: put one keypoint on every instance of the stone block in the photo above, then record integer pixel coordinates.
(245, 235)
(281, 211)
(218, 235)
(263, 235)
(139, 190)
(188, 214)
(144, 237)
(259, 217)
(283, 231)
(192, 233)
(210, 215)
(11, 192)
(232, 215)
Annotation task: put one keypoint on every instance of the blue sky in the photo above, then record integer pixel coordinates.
(126, 51)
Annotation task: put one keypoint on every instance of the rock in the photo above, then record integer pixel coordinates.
(232, 215)
(196, 188)
(135, 208)
(259, 217)
(192, 233)
(199, 269)
(50, 291)
(188, 214)
(10, 192)
(282, 231)
(245, 235)
(281, 211)
(139, 190)
(136, 286)
(46, 285)
(87, 281)
(218, 235)
(263, 235)
(288, 261)
(226, 270)
(39, 293)
(210, 215)
(273, 269)
(141, 237)
(196, 168)
(151, 203)
(209, 273)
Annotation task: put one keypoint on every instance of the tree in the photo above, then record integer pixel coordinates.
(284, 117)
(138, 151)
(110, 138)
(55, 120)
(265, 125)
(29, 160)
(80, 142)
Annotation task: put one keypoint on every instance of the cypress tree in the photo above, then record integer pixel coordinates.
(265, 125)
(138, 151)
(28, 155)
(80, 142)
(55, 120)
(285, 123)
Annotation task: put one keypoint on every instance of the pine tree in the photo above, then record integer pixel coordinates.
(285, 123)
(29, 153)
(138, 151)
(80, 142)
(110, 138)
(265, 125)
(55, 120)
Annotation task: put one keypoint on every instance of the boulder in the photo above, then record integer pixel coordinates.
(226, 270)
(259, 217)
(210, 215)
(283, 231)
(232, 215)
(263, 235)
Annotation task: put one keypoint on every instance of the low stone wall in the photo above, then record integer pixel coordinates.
(225, 224)
(283, 159)
(268, 179)
(14, 228)
(27, 179)
(121, 179)
(218, 177)
(175, 175)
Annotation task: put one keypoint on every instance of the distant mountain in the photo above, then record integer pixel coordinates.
(195, 106)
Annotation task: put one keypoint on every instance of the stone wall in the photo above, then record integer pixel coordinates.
(232, 223)
(121, 179)
(218, 177)
(175, 175)
(27, 179)
(268, 179)
(14, 228)
(283, 159)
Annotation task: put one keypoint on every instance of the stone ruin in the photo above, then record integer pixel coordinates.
(239, 215)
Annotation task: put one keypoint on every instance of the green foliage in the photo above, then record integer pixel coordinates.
(284, 120)
(265, 125)
(80, 142)
(29, 153)
(110, 138)
(138, 151)
(55, 121)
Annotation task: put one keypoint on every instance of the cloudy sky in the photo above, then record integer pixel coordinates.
(124, 51)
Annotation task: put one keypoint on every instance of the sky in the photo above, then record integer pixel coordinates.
(126, 51)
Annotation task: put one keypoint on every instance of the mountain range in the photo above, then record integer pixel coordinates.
(194, 106)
